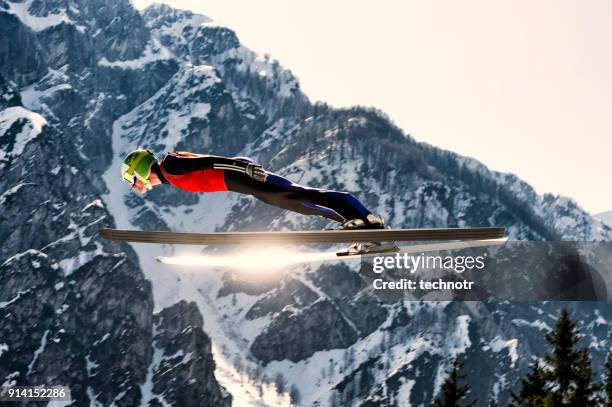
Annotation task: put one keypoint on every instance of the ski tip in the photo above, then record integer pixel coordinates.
(104, 233)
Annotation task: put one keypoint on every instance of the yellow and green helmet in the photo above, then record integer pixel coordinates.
(137, 164)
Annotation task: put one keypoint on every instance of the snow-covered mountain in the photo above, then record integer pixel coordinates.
(605, 217)
(83, 82)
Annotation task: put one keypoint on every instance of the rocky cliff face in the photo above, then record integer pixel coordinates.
(84, 82)
(183, 365)
(76, 310)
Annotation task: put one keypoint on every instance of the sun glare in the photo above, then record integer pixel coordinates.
(251, 259)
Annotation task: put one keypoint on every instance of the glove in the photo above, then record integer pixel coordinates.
(256, 172)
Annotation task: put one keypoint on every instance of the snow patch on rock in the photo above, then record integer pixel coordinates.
(153, 52)
(498, 344)
(37, 23)
(32, 126)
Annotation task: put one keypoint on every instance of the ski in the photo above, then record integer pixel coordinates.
(303, 237)
(424, 248)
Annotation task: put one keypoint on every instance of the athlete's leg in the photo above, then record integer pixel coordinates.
(281, 192)
(343, 203)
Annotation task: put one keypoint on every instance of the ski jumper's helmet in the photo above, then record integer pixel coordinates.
(137, 164)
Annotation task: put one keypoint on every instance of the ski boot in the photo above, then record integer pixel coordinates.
(373, 222)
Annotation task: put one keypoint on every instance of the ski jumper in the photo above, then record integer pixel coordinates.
(206, 173)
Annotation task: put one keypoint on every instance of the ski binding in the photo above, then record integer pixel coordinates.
(358, 249)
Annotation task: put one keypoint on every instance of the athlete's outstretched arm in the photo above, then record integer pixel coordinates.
(179, 165)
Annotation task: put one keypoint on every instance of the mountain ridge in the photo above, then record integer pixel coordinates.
(605, 217)
(175, 80)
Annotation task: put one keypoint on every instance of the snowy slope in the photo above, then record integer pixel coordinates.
(605, 217)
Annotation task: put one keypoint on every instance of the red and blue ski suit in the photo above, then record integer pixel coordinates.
(206, 173)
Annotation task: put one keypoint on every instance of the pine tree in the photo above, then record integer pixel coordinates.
(585, 392)
(563, 339)
(533, 387)
(294, 395)
(364, 382)
(571, 374)
(567, 378)
(280, 383)
(607, 387)
(452, 390)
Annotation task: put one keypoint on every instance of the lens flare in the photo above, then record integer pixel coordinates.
(255, 259)
(277, 258)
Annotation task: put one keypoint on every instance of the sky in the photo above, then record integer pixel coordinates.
(522, 86)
